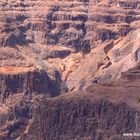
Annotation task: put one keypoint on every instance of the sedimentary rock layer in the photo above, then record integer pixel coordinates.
(77, 24)
(27, 80)
(91, 115)
(90, 42)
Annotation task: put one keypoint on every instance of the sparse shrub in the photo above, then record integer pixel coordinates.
(138, 99)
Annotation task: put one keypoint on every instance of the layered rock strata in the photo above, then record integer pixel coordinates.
(77, 24)
(90, 42)
(93, 114)
(27, 80)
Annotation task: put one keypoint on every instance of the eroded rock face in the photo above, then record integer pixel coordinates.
(12, 33)
(88, 42)
(94, 114)
(85, 120)
(105, 62)
(77, 24)
(76, 116)
(17, 80)
(132, 74)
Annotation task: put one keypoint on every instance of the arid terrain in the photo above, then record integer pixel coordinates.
(69, 69)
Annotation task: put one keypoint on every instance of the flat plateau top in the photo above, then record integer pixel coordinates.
(15, 70)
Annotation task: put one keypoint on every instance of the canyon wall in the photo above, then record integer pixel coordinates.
(69, 69)
(77, 24)
(28, 81)
(75, 116)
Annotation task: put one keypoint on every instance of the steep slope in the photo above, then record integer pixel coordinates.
(76, 24)
(107, 61)
(93, 114)
(87, 48)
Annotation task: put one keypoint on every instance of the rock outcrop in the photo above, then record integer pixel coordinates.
(107, 61)
(92, 114)
(89, 49)
(132, 74)
(77, 24)
(85, 119)
(28, 80)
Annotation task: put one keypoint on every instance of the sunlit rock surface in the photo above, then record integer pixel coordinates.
(85, 52)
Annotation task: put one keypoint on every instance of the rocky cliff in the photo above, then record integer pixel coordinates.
(77, 24)
(82, 26)
(28, 80)
(69, 70)
(93, 114)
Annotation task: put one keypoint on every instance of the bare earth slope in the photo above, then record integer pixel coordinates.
(87, 49)
(57, 29)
